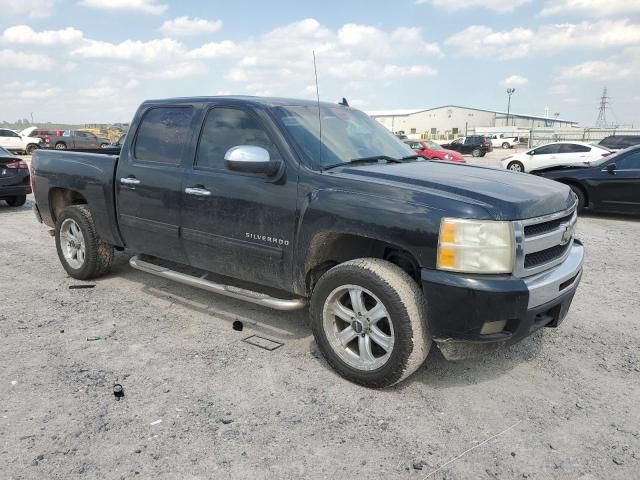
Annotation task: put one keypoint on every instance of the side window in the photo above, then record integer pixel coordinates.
(162, 135)
(416, 146)
(225, 128)
(630, 161)
(547, 150)
(573, 148)
(3, 133)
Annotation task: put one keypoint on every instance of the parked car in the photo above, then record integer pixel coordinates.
(77, 139)
(619, 142)
(502, 141)
(476, 145)
(390, 253)
(45, 135)
(557, 153)
(119, 142)
(609, 184)
(15, 142)
(434, 151)
(14, 179)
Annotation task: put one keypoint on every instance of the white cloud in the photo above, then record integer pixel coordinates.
(602, 70)
(24, 61)
(399, 42)
(184, 26)
(500, 6)
(514, 81)
(396, 71)
(153, 51)
(547, 39)
(595, 8)
(144, 6)
(224, 48)
(108, 87)
(30, 8)
(39, 94)
(25, 35)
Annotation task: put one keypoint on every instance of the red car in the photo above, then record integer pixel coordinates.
(434, 151)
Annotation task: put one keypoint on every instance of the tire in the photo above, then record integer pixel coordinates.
(93, 257)
(582, 197)
(401, 320)
(104, 145)
(506, 145)
(476, 152)
(61, 146)
(30, 148)
(16, 200)
(516, 166)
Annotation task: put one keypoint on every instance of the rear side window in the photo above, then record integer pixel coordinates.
(225, 128)
(547, 149)
(573, 148)
(163, 134)
(629, 141)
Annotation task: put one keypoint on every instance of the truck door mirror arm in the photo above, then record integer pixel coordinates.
(251, 159)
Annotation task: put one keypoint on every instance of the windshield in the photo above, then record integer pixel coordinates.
(346, 135)
(434, 146)
(5, 153)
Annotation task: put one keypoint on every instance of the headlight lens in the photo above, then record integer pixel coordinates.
(475, 246)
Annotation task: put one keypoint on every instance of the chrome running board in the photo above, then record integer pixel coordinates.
(228, 290)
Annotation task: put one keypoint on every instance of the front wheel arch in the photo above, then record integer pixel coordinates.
(581, 193)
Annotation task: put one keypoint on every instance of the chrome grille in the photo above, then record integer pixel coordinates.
(544, 242)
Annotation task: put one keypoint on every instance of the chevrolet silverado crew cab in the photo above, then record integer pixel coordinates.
(289, 203)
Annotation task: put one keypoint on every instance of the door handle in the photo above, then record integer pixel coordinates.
(198, 192)
(129, 181)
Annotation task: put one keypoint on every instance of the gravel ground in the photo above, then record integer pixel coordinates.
(201, 403)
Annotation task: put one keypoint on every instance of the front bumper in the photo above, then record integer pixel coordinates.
(458, 305)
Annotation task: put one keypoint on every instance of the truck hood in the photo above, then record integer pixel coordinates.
(505, 195)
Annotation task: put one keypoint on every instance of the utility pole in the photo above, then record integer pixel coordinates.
(510, 91)
(31, 118)
(601, 121)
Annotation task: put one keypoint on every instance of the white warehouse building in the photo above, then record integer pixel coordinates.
(453, 120)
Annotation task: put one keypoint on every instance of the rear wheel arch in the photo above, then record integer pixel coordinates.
(60, 198)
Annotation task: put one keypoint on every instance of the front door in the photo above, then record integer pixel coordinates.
(10, 140)
(238, 224)
(149, 181)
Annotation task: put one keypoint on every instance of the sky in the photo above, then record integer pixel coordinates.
(94, 61)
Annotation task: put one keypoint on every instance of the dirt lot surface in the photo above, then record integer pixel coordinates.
(201, 403)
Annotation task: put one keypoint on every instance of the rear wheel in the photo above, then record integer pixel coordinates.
(61, 146)
(515, 166)
(582, 197)
(104, 145)
(16, 201)
(506, 145)
(476, 152)
(369, 323)
(30, 148)
(80, 250)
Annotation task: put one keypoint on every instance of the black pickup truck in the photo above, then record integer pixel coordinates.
(286, 203)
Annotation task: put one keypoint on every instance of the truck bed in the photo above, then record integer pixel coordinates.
(89, 175)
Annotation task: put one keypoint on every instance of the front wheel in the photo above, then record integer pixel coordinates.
(515, 166)
(80, 250)
(104, 145)
(368, 320)
(30, 148)
(476, 152)
(61, 146)
(582, 197)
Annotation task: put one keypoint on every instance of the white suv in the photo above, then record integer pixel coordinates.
(15, 142)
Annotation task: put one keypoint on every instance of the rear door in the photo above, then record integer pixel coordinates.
(620, 189)
(149, 180)
(239, 224)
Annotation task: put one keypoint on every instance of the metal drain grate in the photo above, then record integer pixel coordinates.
(262, 342)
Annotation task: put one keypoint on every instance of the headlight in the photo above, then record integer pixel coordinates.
(475, 246)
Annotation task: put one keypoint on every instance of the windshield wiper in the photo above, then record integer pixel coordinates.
(374, 158)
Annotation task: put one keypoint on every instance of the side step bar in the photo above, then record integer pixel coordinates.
(228, 290)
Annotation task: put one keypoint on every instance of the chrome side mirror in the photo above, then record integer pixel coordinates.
(251, 159)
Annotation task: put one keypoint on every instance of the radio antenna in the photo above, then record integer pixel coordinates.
(315, 70)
